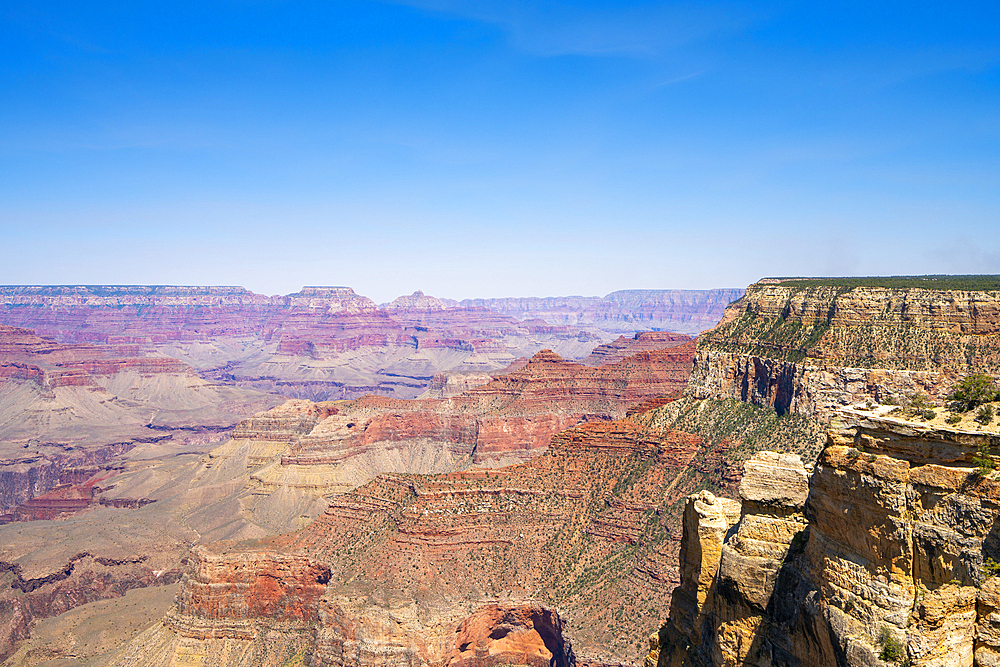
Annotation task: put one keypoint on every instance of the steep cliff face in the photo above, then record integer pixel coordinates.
(888, 558)
(810, 347)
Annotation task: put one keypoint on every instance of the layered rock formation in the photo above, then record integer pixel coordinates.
(811, 346)
(483, 565)
(464, 568)
(84, 405)
(888, 558)
(293, 456)
(510, 418)
(686, 311)
(321, 343)
(644, 341)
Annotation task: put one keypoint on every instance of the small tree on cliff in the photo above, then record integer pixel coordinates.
(972, 391)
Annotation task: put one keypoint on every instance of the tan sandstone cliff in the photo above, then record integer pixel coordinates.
(884, 554)
(811, 346)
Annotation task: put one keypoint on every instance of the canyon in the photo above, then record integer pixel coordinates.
(167, 484)
(327, 343)
(558, 511)
(585, 532)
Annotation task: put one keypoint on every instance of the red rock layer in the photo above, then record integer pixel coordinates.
(644, 341)
(516, 414)
(590, 527)
(311, 323)
(26, 356)
(264, 585)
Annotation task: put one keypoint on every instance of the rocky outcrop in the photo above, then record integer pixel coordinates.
(811, 347)
(507, 634)
(889, 557)
(221, 595)
(644, 341)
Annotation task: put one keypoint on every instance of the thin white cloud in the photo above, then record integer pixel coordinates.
(639, 29)
(680, 79)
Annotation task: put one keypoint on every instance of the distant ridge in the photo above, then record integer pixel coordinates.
(622, 311)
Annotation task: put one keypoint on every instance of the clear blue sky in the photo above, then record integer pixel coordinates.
(496, 148)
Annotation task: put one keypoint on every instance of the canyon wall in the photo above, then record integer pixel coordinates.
(809, 347)
(883, 554)
(321, 343)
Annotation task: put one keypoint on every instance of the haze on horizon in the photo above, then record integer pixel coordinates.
(481, 149)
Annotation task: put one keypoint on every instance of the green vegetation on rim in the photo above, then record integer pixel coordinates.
(771, 337)
(973, 391)
(748, 428)
(967, 283)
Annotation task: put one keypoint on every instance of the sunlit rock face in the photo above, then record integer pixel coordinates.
(884, 549)
(817, 348)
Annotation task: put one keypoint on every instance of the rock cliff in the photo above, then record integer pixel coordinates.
(686, 311)
(812, 346)
(883, 554)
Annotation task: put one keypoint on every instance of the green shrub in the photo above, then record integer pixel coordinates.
(920, 402)
(927, 414)
(991, 568)
(984, 462)
(892, 649)
(985, 414)
(972, 391)
(954, 418)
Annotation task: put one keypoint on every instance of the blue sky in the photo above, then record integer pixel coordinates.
(496, 148)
